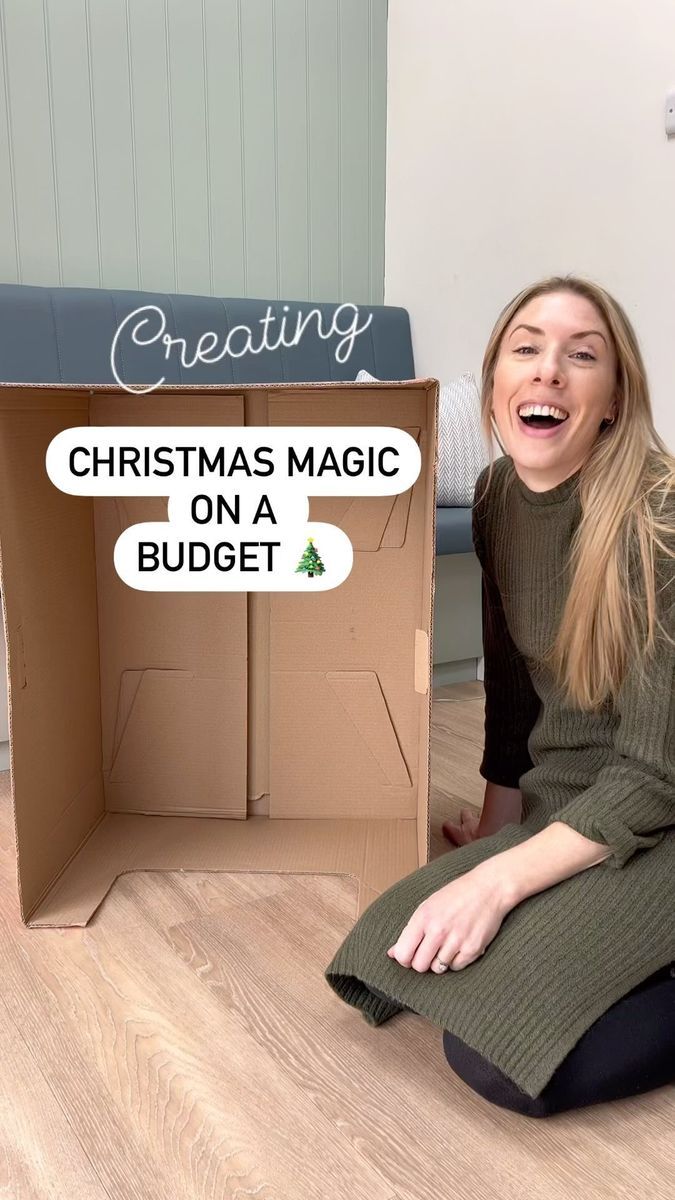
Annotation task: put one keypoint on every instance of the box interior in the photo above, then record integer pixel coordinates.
(258, 731)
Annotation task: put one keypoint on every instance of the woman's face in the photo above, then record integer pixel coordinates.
(551, 364)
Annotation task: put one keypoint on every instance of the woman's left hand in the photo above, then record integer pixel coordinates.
(456, 924)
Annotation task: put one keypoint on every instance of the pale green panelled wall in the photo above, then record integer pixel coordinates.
(225, 147)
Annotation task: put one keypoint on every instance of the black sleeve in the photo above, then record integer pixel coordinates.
(511, 702)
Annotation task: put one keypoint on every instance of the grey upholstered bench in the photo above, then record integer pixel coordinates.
(64, 335)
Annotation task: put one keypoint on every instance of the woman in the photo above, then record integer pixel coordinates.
(544, 948)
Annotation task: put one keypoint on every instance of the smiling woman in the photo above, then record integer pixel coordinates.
(566, 343)
(553, 381)
(521, 943)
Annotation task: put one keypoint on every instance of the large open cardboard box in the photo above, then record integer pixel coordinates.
(220, 731)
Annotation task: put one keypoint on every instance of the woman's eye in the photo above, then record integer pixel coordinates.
(586, 354)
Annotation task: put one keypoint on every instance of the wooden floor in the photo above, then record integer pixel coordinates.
(186, 1044)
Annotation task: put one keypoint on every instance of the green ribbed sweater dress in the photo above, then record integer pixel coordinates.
(563, 955)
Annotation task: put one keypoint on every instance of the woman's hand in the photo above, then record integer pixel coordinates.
(464, 832)
(456, 924)
(501, 806)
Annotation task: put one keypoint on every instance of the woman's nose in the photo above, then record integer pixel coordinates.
(548, 373)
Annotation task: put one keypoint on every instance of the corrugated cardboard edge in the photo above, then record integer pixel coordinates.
(426, 381)
(9, 643)
(434, 386)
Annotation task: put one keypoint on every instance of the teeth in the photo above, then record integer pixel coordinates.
(542, 410)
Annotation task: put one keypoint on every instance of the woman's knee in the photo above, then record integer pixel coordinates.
(487, 1080)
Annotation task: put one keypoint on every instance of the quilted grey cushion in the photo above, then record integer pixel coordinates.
(462, 452)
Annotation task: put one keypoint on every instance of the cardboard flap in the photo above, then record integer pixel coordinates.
(366, 521)
(334, 748)
(130, 685)
(360, 693)
(370, 522)
(171, 744)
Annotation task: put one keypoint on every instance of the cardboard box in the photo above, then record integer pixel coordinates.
(219, 731)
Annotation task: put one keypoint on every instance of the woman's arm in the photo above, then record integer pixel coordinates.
(631, 802)
(501, 806)
(457, 923)
(627, 808)
(541, 861)
(511, 705)
(511, 702)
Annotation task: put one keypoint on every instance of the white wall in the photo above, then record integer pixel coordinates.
(525, 140)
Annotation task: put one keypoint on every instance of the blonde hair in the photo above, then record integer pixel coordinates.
(626, 491)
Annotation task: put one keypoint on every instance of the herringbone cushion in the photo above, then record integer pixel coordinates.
(462, 453)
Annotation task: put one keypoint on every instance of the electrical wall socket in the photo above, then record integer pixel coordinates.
(670, 114)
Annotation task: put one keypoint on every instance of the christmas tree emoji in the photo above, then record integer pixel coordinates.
(310, 563)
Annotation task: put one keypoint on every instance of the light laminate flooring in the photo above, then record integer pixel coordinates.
(185, 1044)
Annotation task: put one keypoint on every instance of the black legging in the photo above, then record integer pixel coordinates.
(630, 1049)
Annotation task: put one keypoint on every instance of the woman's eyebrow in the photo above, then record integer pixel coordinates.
(573, 336)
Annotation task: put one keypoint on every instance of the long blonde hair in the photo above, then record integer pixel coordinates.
(627, 494)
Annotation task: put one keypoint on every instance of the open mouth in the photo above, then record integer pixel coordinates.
(542, 416)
